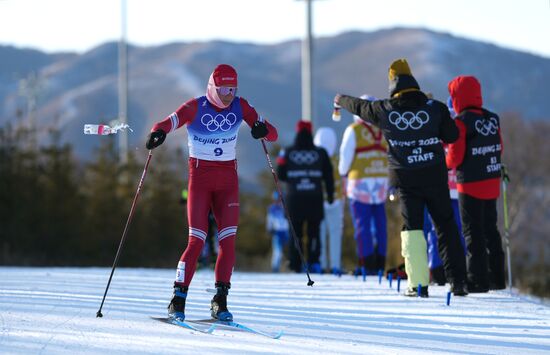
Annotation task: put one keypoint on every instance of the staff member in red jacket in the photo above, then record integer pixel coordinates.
(476, 157)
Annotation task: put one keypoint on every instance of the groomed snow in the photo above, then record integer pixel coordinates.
(53, 311)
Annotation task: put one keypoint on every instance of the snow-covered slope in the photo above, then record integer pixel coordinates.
(53, 311)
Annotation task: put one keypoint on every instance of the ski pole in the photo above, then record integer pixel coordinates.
(99, 314)
(310, 282)
(505, 180)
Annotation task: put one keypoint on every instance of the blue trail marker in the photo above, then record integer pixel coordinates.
(448, 298)
(398, 283)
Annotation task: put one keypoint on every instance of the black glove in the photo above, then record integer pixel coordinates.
(155, 139)
(259, 130)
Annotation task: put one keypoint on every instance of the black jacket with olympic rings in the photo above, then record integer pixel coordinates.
(414, 127)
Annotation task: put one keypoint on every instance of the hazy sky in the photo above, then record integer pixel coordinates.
(79, 25)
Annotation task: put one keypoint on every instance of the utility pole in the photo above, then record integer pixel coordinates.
(123, 87)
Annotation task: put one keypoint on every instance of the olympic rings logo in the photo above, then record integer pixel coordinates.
(487, 127)
(301, 157)
(409, 119)
(221, 122)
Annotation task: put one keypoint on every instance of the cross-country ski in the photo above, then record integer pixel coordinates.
(235, 325)
(185, 324)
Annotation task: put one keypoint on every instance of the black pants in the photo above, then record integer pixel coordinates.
(438, 202)
(485, 257)
(313, 250)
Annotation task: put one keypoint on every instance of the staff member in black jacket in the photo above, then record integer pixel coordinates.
(305, 167)
(414, 126)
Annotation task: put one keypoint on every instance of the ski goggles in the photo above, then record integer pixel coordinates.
(226, 90)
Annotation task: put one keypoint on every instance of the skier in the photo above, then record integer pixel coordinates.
(364, 161)
(305, 167)
(277, 227)
(332, 226)
(414, 126)
(476, 157)
(213, 122)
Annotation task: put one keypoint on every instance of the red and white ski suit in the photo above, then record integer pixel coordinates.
(213, 181)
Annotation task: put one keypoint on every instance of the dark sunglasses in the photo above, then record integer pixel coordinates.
(226, 90)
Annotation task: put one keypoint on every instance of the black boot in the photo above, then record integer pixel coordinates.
(459, 288)
(176, 308)
(413, 292)
(219, 302)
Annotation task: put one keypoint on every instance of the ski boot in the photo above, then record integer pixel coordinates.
(413, 292)
(176, 308)
(218, 306)
(459, 288)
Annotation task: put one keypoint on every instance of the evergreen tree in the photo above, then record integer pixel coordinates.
(159, 231)
(106, 211)
(61, 204)
(20, 196)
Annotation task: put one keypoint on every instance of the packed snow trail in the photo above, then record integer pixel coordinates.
(53, 311)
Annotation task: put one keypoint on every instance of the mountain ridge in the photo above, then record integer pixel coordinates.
(76, 89)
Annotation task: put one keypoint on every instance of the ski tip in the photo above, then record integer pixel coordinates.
(278, 335)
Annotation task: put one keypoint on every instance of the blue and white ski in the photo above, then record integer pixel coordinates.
(231, 324)
(184, 324)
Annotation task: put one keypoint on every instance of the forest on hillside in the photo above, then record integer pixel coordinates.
(57, 211)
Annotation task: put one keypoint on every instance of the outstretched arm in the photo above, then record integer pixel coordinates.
(360, 107)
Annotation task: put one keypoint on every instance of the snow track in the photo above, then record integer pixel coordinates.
(52, 311)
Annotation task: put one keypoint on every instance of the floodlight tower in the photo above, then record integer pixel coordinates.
(307, 82)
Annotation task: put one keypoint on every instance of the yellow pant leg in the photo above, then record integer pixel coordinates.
(415, 252)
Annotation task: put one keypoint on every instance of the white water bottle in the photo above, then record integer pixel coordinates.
(336, 116)
(99, 129)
